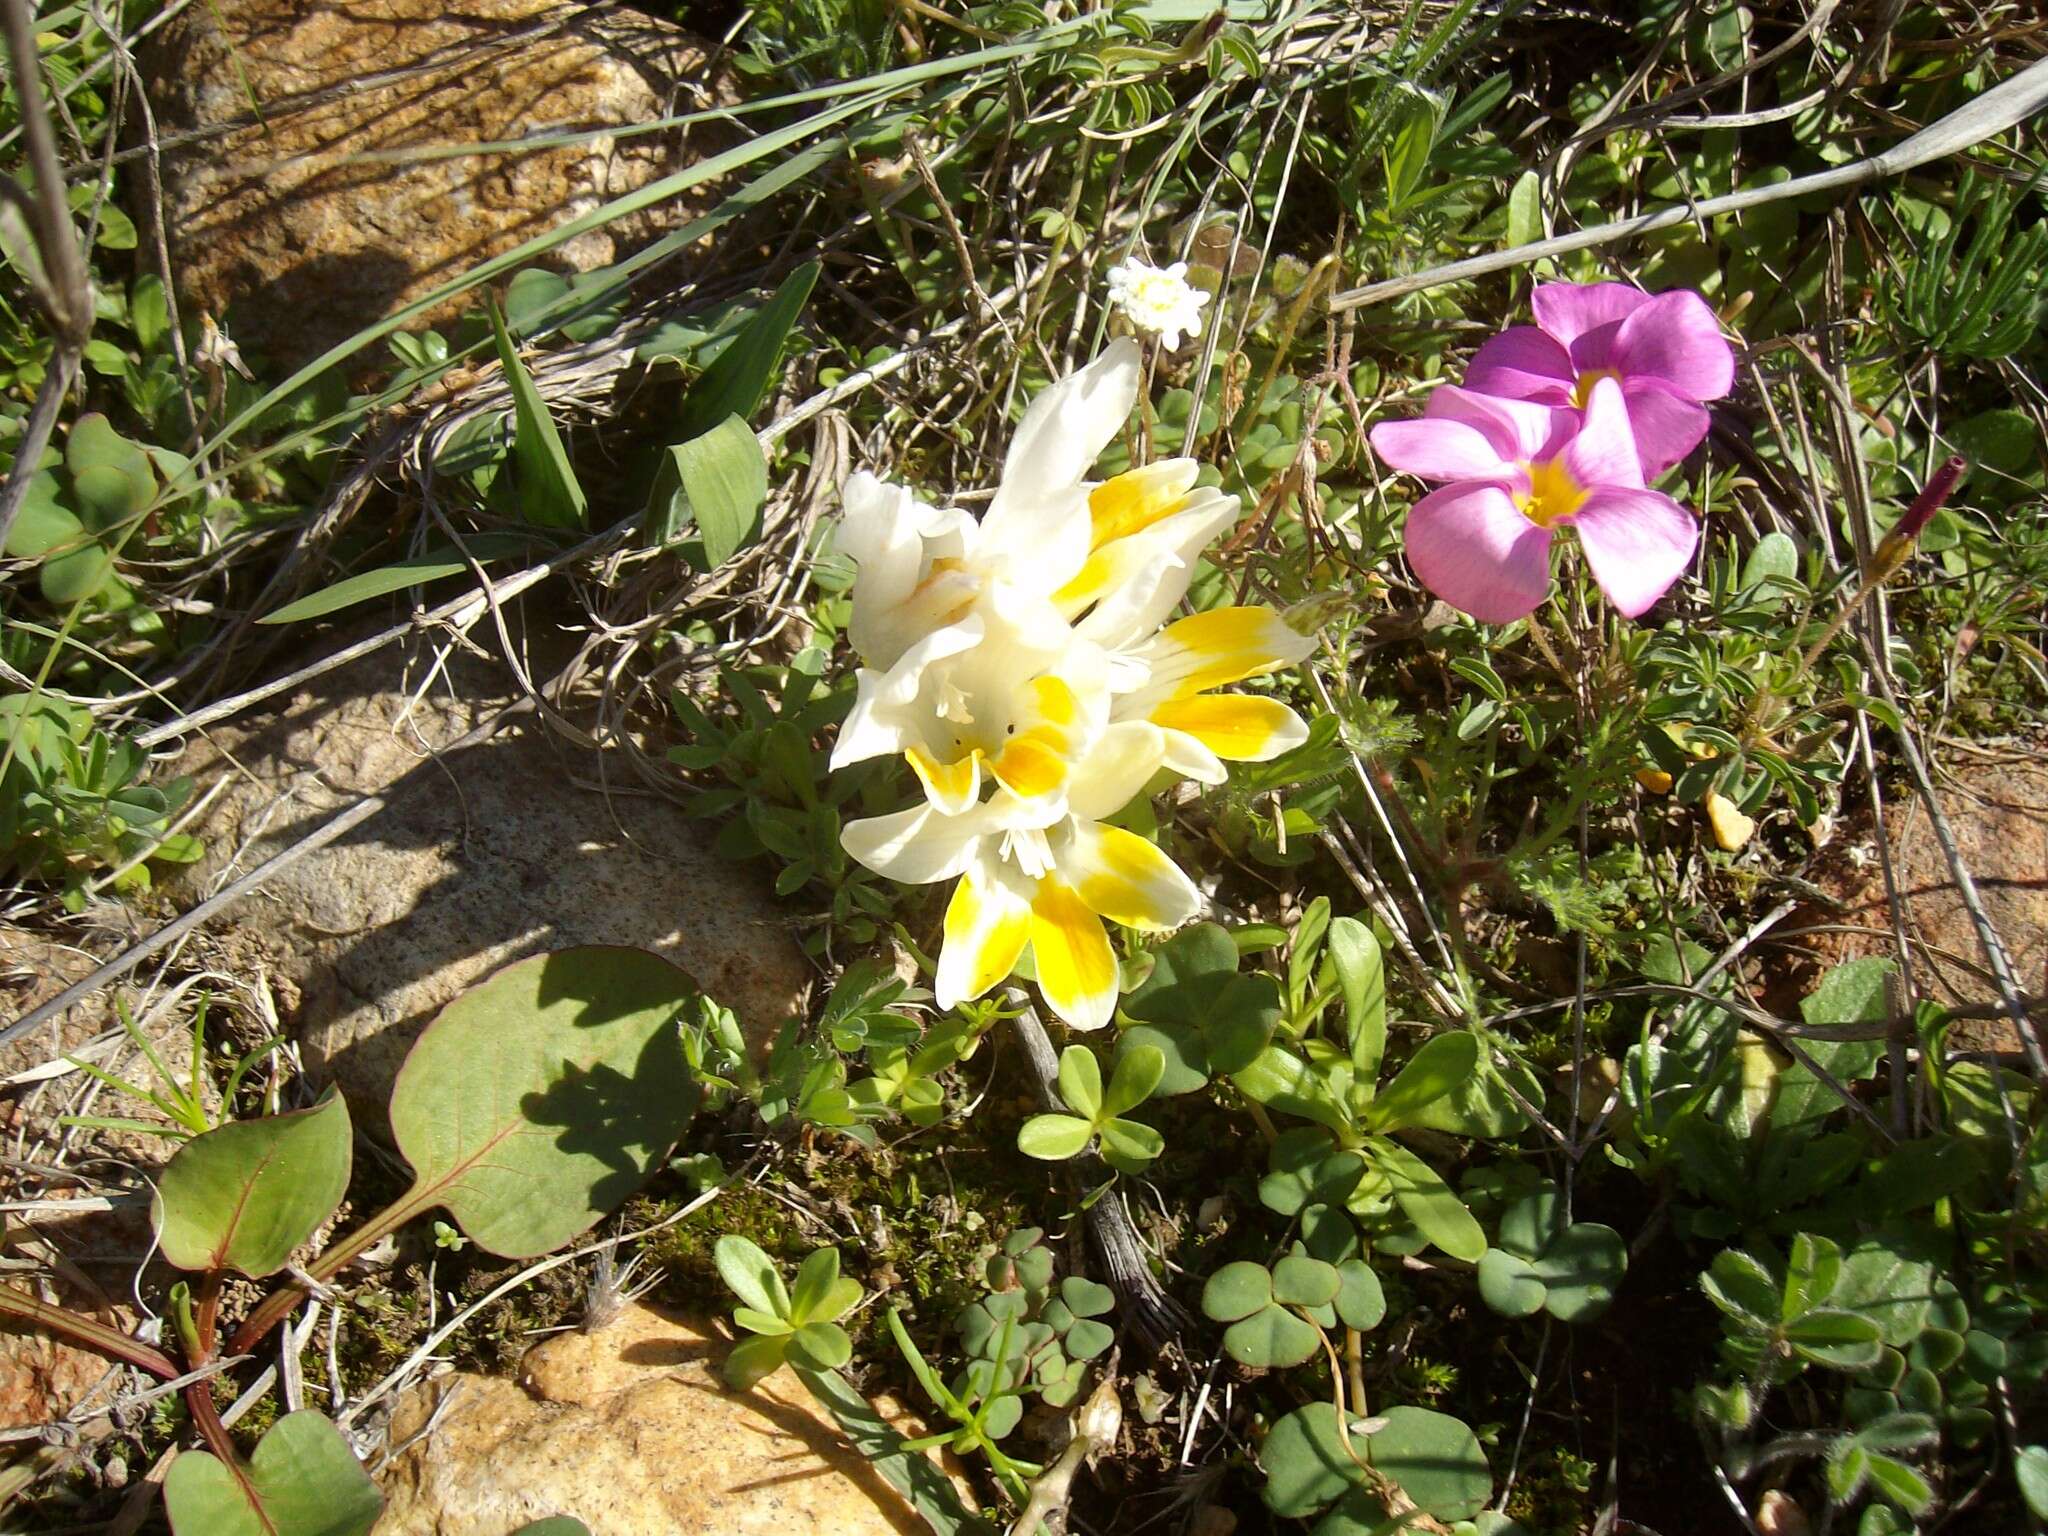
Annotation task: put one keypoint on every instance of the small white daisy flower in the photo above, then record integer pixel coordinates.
(1159, 300)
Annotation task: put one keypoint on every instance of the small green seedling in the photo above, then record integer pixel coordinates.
(1056, 1332)
(798, 1324)
(1127, 1146)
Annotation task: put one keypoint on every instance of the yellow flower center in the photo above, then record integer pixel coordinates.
(1583, 390)
(1552, 493)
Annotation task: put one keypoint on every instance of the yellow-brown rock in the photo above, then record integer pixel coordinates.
(630, 1430)
(310, 188)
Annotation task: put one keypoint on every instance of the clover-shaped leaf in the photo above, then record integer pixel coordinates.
(1127, 1145)
(1198, 1012)
(1262, 1331)
(1542, 1264)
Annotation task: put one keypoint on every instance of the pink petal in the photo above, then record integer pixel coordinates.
(1439, 450)
(1604, 451)
(1637, 542)
(1472, 547)
(1666, 427)
(1676, 339)
(1523, 363)
(1569, 310)
(1519, 429)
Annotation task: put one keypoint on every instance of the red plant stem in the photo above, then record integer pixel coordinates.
(87, 1333)
(1939, 488)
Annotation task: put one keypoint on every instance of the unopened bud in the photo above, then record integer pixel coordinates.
(1940, 486)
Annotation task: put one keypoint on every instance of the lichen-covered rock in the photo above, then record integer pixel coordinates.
(630, 1430)
(310, 190)
(1997, 807)
(483, 857)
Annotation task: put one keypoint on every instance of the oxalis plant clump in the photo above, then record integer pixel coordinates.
(1301, 611)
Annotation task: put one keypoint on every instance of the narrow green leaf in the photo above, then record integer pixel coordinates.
(1444, 1062)
(1525, 210)
(1362, 979)
(1137, 1074)
(396, 577)
(549, 490)
(1428, 1201)
(740, 376)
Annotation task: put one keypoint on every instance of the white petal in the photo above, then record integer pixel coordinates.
(916, 846)
(1040, 513)
(886, 716)
(1122, 761)
(988, 923)
(1161, 563)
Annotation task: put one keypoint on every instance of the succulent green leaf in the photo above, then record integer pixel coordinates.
(302, 1481)
(1281, 1080)
(1085, 1297)
(1053, 1138)
(1530, 1224)
(75, 576)
(821, 1346)
(1087, 1339)
(1080, 1078)
(245, 1195)
(2030, 1466)
(751, 1275)
(539, 1099)
(1435, 1460)
(112, 479)
(1129, 1146)
(1580, 1269)
(1308, 1169)
(1196, 1009)
(751, 1359)
(1137, 1074)
(1741, 1287)
(756, 1321)
(817, 1278)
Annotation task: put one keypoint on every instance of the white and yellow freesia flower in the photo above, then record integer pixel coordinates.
(1025, 881)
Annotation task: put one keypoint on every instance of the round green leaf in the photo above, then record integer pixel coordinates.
(1085, 1298)
(1236, 1290)
(751, 1275)
(243, 1196)
(1185, 1061)
(303, 1480)
(1138, 1071)
(1306, 1466)
(1436, 1460)
(541, 1098)
(1528, 1226)
(1272, 1338)
(1580, 1269)
(75, 575)
(1507, 1285)
(1087, 1339)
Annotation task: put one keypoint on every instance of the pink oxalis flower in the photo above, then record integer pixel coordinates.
(1518, 471)
(1665, 349)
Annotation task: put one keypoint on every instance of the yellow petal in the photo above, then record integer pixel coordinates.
(1037, 757)
(1138, 498)
(1106, 570)
(951, 787)
(1655, 780)
(1731, 828)
(1126, 879)
(1239, 727)
(987, 926)
(1069, 947)
(1224, 645)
